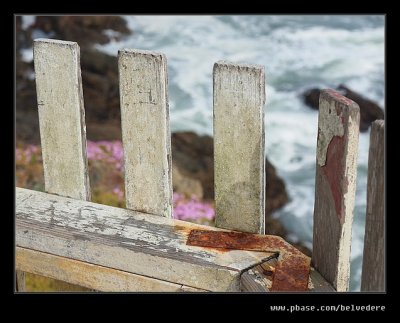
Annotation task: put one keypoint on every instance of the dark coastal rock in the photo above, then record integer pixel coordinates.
(193, 156)
(274, 227)
(23, 37)
(100, 85)
(85, 30)
(26, 115)
(311, 98)
(369, 110)
(275, 192)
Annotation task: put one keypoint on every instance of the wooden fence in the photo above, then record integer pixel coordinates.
(62, 235)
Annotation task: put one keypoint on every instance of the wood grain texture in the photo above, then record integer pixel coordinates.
(145, 131)
(91, 276)
(373, 270)
(259, 279)
(336, 173)
(20, 285)
(126, 240)
(239, 97)
(61, 118)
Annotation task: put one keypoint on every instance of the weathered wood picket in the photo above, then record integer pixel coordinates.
(373, 271)
(335, 186)
(62, 235)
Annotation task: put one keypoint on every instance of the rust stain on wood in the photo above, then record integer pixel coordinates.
(333, 167)
(291, 274)
(227, 240)
(292, 270)
(338, 97)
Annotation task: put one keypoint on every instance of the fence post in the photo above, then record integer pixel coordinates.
(145, 131)
(239, 161)
(61, 120)
(373, 270)
(335, 186)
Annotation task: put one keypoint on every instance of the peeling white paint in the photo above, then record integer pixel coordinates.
(329, 126)
(350, 178)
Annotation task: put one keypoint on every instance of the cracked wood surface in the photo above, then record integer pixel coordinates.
(145, 131)
(61, 118)
(239, 97)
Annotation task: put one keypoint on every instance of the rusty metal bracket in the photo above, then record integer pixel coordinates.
(292, 270)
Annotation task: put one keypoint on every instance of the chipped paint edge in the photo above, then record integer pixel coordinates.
(330, 125)
(349, 194)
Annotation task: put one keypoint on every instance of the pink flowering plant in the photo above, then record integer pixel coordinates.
(192, 209)
(28, 167)
(106, 151)
(106, 169)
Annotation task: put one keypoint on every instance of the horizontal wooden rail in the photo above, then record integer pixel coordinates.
(54, 233)
(126, 240)
(91, 276)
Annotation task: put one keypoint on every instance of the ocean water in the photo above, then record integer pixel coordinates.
(298, 52)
